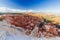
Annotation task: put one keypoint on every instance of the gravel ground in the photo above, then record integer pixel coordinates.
(14, 34)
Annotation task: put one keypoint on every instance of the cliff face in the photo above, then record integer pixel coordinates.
(30, 21)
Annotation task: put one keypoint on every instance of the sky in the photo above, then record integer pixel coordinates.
(38, 5)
